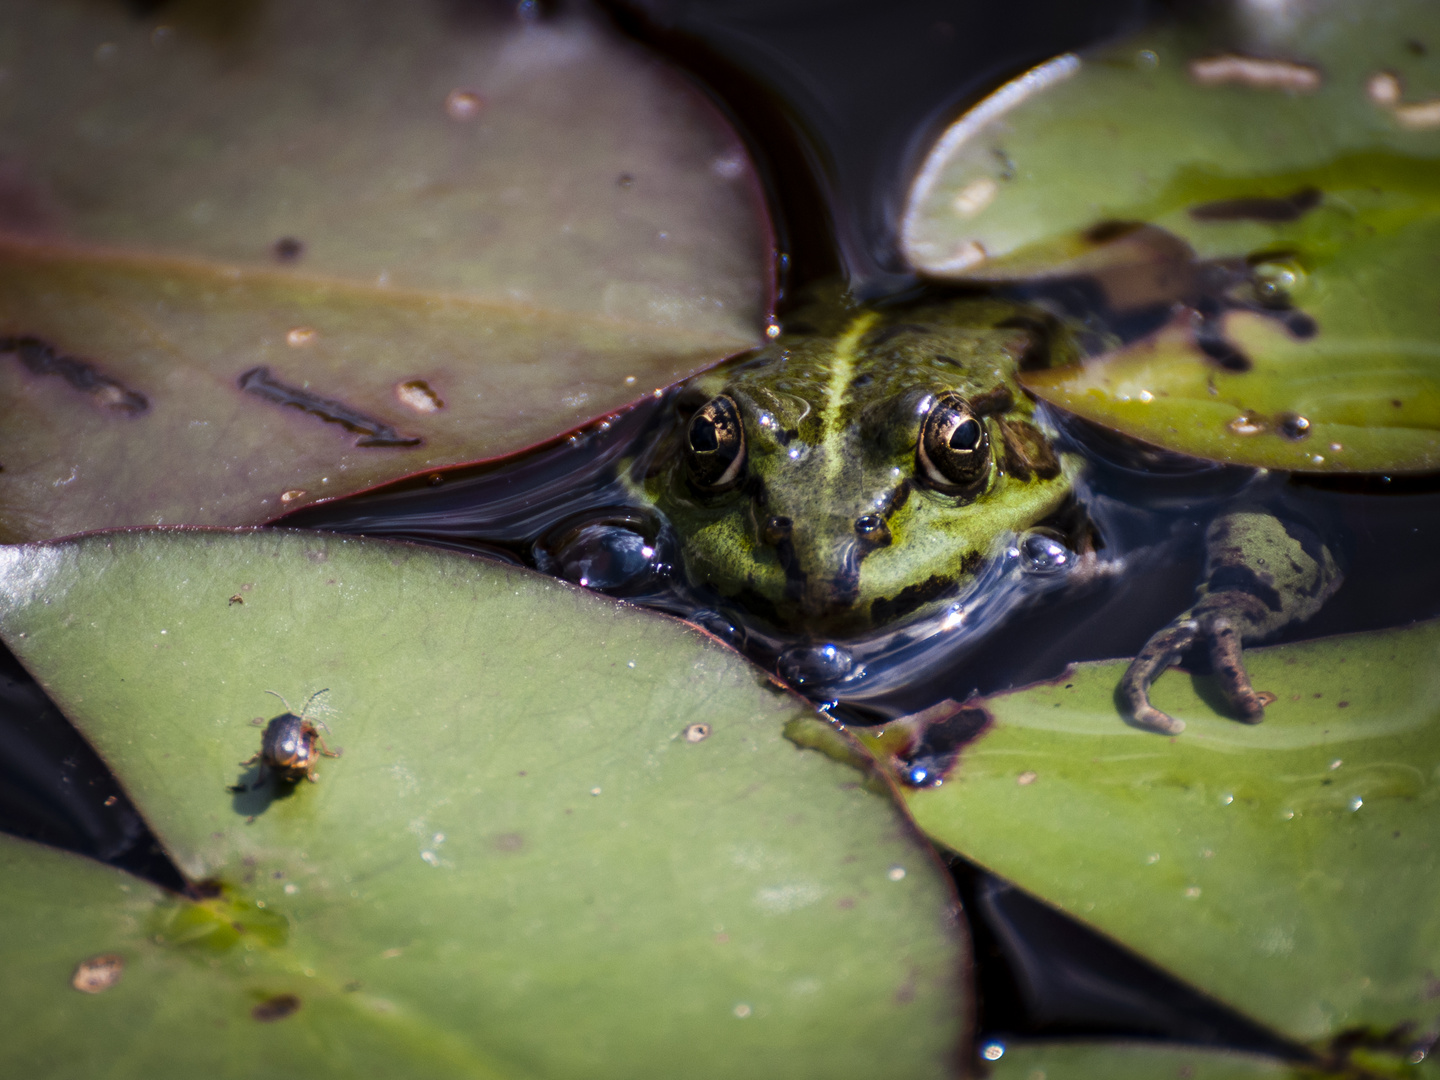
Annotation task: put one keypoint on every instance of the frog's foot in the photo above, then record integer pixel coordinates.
(1165, 649)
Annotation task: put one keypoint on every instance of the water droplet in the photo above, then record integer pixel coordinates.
(1041, 553)
(1226, 799)
(1336, 763)
(772, 329)
(291, 888)
(594, 791)
(430, 857)
(992, 1051)
(917, 775)
(1293, 426)
(300, 336)
(718, 625)
(604, 556)
(1193, 892)
(1025, 779)
(896, 873)
(1356, 803)
(463, 104)
(1246, 424)
(742, 1010)
(815, 665)
(1383, 88)
(1287, 815)
(1152, 858)
(1146, 59)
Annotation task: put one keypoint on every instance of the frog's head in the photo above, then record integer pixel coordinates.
(831, 484)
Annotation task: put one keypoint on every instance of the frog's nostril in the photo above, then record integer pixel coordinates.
(872, 530)
(776, 530)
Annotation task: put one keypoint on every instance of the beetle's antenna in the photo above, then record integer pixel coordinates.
(308, 702)
(287, 705)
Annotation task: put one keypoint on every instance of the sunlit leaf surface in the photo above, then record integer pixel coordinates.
(1292, 160)
(443, 224)
(527, 861)
(1288, 869)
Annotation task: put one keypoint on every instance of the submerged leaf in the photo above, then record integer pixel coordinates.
(530, 860)
(1287, 869)
(1273, 184)
(452, 232)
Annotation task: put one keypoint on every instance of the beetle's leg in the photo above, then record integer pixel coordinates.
(320, 741)
(251, 760)
(1260, 575)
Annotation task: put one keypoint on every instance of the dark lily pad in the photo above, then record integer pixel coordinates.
(1286, 868)
(565, 837)
(1134, 1061)
(449, 232)
(1273, 181)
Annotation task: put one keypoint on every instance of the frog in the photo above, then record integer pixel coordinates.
(864, 467)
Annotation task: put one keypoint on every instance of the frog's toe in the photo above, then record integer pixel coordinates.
(1229, 666)
(1160, 653)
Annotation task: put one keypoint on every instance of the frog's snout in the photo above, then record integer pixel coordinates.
(822, 567)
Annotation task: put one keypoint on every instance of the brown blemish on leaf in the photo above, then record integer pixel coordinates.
(372, 432)
(416, 394)
(288, 249)
(697, 733)
(41, 358)
(1290, 208)
(276, 1008)
(510, 841)
(98, 974)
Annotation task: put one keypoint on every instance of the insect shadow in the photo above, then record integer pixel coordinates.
(288, 754)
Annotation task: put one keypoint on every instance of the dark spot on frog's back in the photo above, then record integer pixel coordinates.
(913, 597)
(372, 432)
(41, 358)
(1027, 451)
(888, 333)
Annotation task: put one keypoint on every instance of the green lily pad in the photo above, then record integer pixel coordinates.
(1135, 1061)
(528, 861)
(450, 233)
(1287, 869)
(1280, 170)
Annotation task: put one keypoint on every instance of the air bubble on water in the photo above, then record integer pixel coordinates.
(993, 1050)
(1042, 554)
(606, 557)
(815, 665)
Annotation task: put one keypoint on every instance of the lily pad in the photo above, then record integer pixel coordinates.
(1287, 869)
(565, 837)
(450, 232)
(1135, 1061)
(1275, 178)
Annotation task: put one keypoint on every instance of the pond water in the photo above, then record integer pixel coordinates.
(837, 100)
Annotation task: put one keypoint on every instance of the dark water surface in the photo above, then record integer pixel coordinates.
(837, 99)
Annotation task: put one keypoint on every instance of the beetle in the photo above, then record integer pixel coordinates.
(288, 746)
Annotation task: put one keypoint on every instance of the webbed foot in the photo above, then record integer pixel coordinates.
(1261, 575)
(1166, 648)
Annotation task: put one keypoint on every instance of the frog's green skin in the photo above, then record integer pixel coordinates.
(831, 422)
(833, 524)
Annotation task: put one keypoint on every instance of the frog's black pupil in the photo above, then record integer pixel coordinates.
(703, 439)
(966, 435)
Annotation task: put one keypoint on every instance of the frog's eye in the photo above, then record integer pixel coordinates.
(954, 451)
(715, 445)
